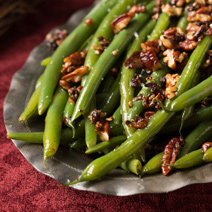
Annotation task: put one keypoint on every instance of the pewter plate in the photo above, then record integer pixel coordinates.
(67, 164)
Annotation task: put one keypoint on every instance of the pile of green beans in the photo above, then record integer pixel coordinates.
(113, 96)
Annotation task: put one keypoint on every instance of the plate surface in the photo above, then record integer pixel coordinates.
(67, 164)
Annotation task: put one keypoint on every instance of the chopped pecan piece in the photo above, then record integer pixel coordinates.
(104, 133)
(96, 116)
(171, 37)
(178, 3)
(136, 82)
(157, 9)
(134, 61)
(175, 59)
(208, 61)
(137, 9)
(76, 75)
(74, 93)
(171, 151)
(89, 21)
(65, 85)
(123, 20)
(55, 39)
(206, 146)
(171, 10)
(137, 122)
(149, 114)
(171, 81)
(150, 45)
(188, 45)
(194, 16)
(103, 44)
(150, 60)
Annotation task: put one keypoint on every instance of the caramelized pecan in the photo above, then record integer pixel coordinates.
(188, 45)
(73, 62)
(134, 61)
(103, 44)
(55, 39)
(171, 10)
(76, 75)
(171, 81)
(96, 116)
(175, 59)
(104, 134)
(136, 82)
(73, 93)
(150, 45)
(150, 60)
(65, 85)
(121, 22)
(149, 114)
(206, 146)
(171, 151)
(137, 122)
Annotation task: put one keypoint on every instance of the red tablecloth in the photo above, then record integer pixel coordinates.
(22, 188)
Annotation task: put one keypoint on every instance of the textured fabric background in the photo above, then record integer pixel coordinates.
(22, 188)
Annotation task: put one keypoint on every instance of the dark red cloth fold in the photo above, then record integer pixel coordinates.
(22, 188)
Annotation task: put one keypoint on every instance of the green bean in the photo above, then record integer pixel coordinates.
(183, 20)
(138, 107)
(207, 157)
(161, 24)
(189, 160)
(106, 84)
(53, 123)
(113, 142)
(199, 115)
(73, 42)
(153, 165)
(37, 137)
(90, 133)
(78, 144)
(126, 91)
(188, 111)
(112, 99)
(192, 96)
(117, 116)
(106, 163)
(132, 165)
(45, 61)
(196, 138)
(32, 105)
(106, 61)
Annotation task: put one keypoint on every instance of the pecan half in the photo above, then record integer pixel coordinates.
(206, 146)
(65, 85)
(76, 75)
(123, 20)
(171, 151)
(188, 45)
(150, 60)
